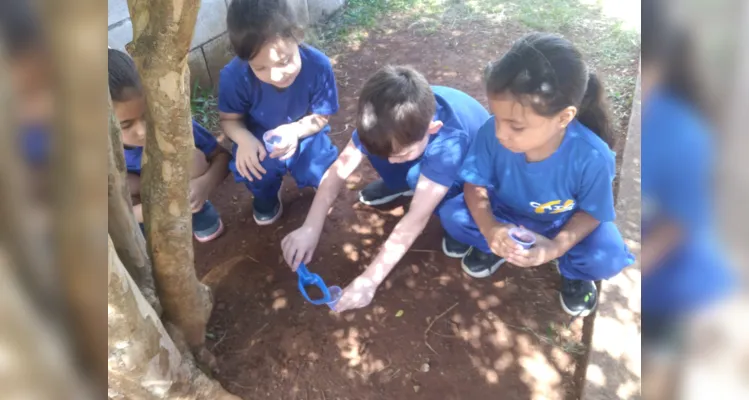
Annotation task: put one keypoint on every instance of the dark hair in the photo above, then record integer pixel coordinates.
(251, 23)
(396, 104)
(122, 75)
(671, 47)
(19, 27)
(549, 72)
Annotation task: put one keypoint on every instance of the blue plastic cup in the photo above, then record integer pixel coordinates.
(522, 237)
(271, 141)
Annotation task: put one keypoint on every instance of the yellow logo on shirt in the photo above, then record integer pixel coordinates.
(553, 207)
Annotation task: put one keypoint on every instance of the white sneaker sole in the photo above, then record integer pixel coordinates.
(485, 273)
(275, 218)
(386, 199)
(561, 300)
(451, 254)
(576, 314)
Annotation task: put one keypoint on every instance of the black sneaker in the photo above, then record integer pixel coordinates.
(453, 248)
(265, 211)
(479, 264)
(377, 193)
(578, 298)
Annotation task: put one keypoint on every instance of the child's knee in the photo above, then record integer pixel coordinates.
(199, 164)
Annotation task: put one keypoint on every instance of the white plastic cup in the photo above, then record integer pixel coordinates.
(335, 295)
(272, 141)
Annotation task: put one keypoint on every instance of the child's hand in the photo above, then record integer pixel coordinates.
(250, 152)
(499, 240)
(357, 294)
(543, 251)
(299, 246)
(199, 192)
(290, 142)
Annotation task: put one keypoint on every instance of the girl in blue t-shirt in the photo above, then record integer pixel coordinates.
(277, 87)
(542, 162)
(210, 161)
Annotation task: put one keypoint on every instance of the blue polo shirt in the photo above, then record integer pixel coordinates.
(204, 141)
(462, 116)
(577, 176)
(677, 159)
(266, 107)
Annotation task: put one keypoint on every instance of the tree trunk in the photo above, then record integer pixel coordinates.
(33, 342)
(80, 202)
(123, 228)
(162, 32)
(144, 362)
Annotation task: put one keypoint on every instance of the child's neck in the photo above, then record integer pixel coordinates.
(547, 149)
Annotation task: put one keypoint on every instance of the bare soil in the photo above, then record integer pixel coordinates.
(504, 337)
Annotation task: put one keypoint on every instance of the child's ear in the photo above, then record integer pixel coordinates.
(566, 116)
(434, 127)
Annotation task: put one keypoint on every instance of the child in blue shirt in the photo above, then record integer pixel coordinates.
(541, 162)
(275, 84)
(210, 165)
(685, 270)
(415, 136)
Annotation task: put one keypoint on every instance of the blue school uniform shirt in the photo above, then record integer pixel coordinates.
(676, 185)
(204, 141)
(461, 116)
(265, 107)
(543, 195)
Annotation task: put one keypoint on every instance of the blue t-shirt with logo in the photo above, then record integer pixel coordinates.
(677, 159)
(266, 107)
(544, 194)
(462, 116)
(204, 141)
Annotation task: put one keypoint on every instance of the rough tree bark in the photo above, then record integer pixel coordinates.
(144, 361)
(123, 228)
(162, 32)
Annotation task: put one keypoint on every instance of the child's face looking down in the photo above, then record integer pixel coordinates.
(132, 116)
(403, 154)
(278, 62)
(520, 129)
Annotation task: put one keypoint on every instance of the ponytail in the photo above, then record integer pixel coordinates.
(594, 111)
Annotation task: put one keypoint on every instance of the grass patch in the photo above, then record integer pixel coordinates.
(204, 107)
(351, 25)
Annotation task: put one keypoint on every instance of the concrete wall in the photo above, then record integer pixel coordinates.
(210, 49)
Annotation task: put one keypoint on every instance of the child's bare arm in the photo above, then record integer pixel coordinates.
(331, 184)
(233, 125)
(660, 241)
(133, 183)
(311, 125)
(580, 225)
(477, 200)
(427, 196)
(299, 245)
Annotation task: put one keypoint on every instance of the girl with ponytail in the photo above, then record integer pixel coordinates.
(543, 163)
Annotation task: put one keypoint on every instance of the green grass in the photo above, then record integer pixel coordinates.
(204, 107)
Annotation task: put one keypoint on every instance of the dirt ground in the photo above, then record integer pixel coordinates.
(504, 337)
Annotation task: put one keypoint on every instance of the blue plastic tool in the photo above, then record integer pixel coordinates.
(307, 278)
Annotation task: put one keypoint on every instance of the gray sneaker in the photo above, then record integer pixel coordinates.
(377, 193)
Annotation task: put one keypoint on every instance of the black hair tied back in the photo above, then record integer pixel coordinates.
(548, 73)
